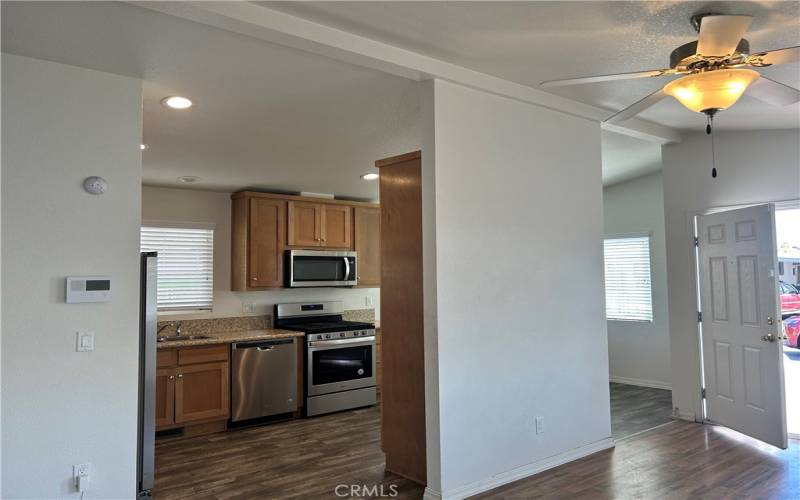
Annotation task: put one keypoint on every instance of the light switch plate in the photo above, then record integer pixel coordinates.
(84, 341)
(248, 307)
(370, 301)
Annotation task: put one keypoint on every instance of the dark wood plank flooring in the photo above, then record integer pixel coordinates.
(309, 458)
(634, 409)
(306, 458)
(682, 460)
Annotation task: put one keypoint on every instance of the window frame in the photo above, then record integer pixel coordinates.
(168, 224)
(618, 236)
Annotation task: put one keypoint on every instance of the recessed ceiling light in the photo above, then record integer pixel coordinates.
(370, 176)
(143, 146)
(188, 178)
(176, 102)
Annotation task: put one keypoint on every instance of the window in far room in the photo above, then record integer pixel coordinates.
(628, 279)
(185, 265)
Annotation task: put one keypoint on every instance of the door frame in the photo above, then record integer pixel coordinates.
(700, 413)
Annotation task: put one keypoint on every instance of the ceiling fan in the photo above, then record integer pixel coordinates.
(715, 68)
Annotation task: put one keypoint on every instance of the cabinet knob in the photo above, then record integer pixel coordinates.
(255, 278)
(180, 375)
(172, 377)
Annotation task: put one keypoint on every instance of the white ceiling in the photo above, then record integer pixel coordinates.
(530, 42)
(265, 116)
(272, 117)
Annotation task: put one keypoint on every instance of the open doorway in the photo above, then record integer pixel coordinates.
(787, 231)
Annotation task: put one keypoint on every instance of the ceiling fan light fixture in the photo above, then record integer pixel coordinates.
(719, 89)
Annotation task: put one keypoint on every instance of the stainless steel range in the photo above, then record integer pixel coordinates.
(340, 356)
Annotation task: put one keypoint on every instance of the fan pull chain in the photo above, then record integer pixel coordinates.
(710, 131)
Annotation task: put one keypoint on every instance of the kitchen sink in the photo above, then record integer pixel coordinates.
(177, 338)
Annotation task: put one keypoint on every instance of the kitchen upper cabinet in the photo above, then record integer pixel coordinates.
(319, 225)
(336, 230)
(305, 224)
(201, 392)
(367, 233)
(265, 225)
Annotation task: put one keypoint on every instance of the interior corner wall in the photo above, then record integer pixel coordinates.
(639, 352)
(61, 407)
(518, 223)
(161, 204)
(753, 167)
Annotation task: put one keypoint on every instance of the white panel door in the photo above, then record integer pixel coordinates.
(742, 343)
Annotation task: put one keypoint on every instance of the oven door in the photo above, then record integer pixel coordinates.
(340, 365)
(309, 268)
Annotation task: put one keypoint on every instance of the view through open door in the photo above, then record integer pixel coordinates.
(741, 322)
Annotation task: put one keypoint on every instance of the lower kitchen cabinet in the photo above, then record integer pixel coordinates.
(201, 392)
(192, 386)
(165, 397)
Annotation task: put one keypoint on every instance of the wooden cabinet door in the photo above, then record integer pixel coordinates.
(305, 224)
(336, 231)
(201, 392)
(267, 229)
(165, 397)
(367, 234)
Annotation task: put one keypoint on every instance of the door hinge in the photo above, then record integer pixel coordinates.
(703, 393)
(697, 242)
(699, 317)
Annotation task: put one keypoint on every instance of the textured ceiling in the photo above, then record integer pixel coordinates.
(530, 42)
(265, 116)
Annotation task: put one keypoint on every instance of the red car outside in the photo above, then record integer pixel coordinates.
(791, 329)
(790, 299)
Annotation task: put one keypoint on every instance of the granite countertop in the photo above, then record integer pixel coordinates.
(229, 337)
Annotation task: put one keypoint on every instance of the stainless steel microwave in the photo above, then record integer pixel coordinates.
(307, 268)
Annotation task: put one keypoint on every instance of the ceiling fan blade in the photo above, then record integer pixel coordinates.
(637, 107)
(719, 35)
(607, 78)
(777, 56)
(773, 92)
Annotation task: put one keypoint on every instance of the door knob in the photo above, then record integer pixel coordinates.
(769, 338)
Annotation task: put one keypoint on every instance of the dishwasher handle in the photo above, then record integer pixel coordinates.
(261, 345)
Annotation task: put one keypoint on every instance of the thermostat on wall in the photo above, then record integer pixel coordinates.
(88, 289)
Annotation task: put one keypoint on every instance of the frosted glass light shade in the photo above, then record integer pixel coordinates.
(718, 89)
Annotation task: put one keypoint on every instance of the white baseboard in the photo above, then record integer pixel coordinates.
(683, 415)
(641, 382)
(520, 472)
(431, 494)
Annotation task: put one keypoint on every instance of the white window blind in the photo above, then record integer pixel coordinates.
(185, 266)
(628, 287)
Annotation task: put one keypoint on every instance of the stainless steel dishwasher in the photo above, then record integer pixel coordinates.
(263, 378)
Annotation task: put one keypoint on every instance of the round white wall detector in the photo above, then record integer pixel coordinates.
(95, 185)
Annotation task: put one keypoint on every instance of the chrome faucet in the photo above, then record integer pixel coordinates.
(178, 329)
(162, 328)
(171, 323)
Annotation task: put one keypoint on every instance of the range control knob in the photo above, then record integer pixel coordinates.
(342, 334)
(327, 335)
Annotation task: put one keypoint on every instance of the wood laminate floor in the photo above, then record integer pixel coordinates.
(634, 409)
(309, 458)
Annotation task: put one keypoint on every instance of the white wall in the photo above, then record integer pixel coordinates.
(638, 352)
(187, 205)
(753, 167)
(61, 407)
(517, 222)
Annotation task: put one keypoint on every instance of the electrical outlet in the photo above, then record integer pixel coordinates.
(248, 307)
(370, 301)
(80, 476)
(539, 425)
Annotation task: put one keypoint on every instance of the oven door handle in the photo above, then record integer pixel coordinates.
(331, 344)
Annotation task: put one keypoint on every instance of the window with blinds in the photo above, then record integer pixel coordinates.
(185, 266)
(628, 286)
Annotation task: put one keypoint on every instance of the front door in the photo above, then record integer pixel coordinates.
(741, 320)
